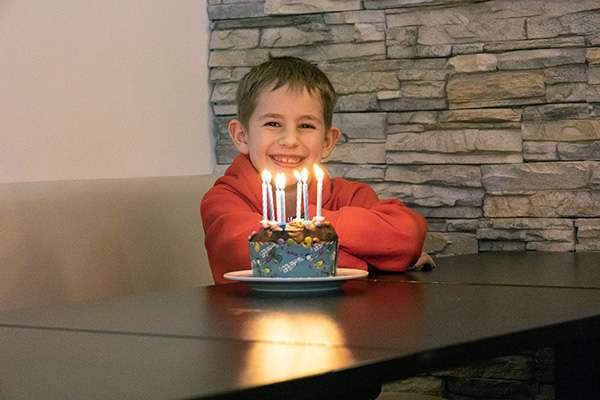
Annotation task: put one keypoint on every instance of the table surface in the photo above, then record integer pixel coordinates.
(575, 270)
(229, 341)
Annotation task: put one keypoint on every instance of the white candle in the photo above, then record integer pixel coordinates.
(319, 174)
(280, 197)
(266, 175)
(304, 178)
(298, 195)
(265, 200)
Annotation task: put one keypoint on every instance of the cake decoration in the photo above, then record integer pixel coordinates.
(300, 247)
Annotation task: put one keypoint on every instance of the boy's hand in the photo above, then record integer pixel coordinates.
(424, 263)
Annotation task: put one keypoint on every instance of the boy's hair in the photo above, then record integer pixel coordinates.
(297, 73)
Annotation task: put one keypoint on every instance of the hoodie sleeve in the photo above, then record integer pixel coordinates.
(385, 233)
(228, 220)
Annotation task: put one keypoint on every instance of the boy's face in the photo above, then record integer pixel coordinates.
(286, 132)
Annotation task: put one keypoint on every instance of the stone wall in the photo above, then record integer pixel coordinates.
(482, 115)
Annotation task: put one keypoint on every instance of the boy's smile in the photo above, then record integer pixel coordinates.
(286, 132)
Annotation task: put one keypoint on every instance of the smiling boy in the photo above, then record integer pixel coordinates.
(285, 111)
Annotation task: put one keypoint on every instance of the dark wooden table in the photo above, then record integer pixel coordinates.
(560, 270)
(230, 342)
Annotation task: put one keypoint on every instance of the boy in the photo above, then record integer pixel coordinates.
(285, 109)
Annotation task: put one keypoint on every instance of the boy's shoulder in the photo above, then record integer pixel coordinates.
(344, 183)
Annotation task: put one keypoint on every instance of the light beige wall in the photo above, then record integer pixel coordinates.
(103, 89)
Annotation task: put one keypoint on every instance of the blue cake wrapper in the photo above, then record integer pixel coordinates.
(293, 260)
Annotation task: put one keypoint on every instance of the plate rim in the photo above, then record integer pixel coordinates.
(343, 274)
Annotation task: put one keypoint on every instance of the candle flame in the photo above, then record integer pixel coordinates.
(297, 175)
(319, 174)
(304, 176)
(266, 176)
(280, 181)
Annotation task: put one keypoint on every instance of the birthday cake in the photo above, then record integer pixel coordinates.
(298, 249)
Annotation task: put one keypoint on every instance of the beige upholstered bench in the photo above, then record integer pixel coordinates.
(84, 240)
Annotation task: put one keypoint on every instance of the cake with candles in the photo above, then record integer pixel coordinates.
(299, 248)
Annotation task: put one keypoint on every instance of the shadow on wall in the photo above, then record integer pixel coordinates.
(92, 239)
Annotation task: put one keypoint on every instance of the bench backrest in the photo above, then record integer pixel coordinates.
(91, 239)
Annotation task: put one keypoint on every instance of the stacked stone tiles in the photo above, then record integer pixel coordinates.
(482, 115)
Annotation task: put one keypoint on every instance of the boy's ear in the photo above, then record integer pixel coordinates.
(239, 135)
(331, 138)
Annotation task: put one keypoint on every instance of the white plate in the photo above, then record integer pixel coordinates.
(296, 285)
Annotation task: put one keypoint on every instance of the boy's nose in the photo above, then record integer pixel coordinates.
(289, 137)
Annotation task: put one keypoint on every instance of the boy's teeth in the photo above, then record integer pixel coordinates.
(287, 160)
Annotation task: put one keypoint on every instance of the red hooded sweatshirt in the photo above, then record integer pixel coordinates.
(382, 233)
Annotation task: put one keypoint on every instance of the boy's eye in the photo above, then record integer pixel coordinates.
(307, 126)
(273, 124)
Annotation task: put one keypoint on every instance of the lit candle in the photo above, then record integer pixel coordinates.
(319, 175)
(280, 197)
(304, 178)
(298, 195)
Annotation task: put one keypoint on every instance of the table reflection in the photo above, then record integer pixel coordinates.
(272, 360)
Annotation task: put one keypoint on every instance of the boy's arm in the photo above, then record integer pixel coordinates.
(228, 221)
(384, 233)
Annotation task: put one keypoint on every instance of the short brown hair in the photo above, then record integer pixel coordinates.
(296, 73)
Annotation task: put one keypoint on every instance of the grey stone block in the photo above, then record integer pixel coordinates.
(528, 177)
(234, 39)
(565, 130)
(593, 75)
(494, 115)
(460, 141)
(334, 52)
(237, 58)
(261, 22)
(588, 228)
(448, 175)
(238, 10)
(363, 81)
(449, 212)
(393, 157)
(569, 41)
(540, 58)
(435, 196)
(413, 104)
(557, 111)
(579, 151)
(565, 74)
(361, 125)
(413, 117)
(356, 102)
(497, 88)
(359, 153)
(423, 89)
(451, 243)
(586, 244)
(282, 7)
(501, 245)
(224, 93)
(566, 92)
(355, 17)
(549, 203)
(361, 172)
